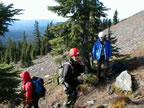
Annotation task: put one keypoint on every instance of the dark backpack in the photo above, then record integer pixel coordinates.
(118, 67)
(38, 87)
(60, 78)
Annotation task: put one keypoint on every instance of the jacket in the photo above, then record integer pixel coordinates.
(28, 87)
(71, 73)
(96, 51)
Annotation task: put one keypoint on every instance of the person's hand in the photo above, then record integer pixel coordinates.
(95, 61)
(24, 105)
(110, 58)
(80, 78)
(27, 105)
(81, 93)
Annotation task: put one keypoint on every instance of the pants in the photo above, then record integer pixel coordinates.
(72, 95)
(106, 66)
(34, 103)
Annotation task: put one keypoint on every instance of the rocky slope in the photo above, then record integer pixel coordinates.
(130, 33)
(93, 96)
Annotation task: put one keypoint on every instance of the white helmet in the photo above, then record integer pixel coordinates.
(101, 34)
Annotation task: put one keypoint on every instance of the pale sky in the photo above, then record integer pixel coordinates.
(37, 9)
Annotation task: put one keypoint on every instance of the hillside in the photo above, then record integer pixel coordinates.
(130, 33)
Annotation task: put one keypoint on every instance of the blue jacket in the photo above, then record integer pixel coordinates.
(98, 47)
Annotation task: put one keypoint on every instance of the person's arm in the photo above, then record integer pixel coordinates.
(67, 73)
(110, 49)
(28, 94)
(94, 50)
(82, 67)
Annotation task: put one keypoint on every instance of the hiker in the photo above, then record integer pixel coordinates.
(102, 51)
(30, 99)
(72, 77)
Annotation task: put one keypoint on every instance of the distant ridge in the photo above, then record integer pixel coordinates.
(130, 33)
(18, 27)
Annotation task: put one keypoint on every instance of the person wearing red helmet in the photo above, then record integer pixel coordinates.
(30, 100)
(72, 76)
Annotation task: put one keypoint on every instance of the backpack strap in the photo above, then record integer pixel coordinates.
(68, 64)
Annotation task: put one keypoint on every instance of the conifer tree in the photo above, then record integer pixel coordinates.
(76, 31)
(9, 82)
(23, 51)
(28, 55)
(8, 49)
(42, 50)
(32, 54)
(19, 48)
(1, 52)
(6, 16)
(113, 40)
(37, 39)
(12, 51)
(115, 18)
(24, 38)
(48, 35)
(15, 54)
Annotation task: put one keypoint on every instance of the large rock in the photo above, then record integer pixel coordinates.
(124, 81)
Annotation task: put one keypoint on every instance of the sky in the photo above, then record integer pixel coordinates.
(37, 9)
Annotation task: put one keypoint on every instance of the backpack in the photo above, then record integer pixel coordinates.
(38, 87)
(118, 67)
(60, 78)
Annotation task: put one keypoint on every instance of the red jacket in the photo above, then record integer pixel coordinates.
(28, 87)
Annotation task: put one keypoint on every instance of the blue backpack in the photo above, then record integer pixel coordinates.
(38, 87)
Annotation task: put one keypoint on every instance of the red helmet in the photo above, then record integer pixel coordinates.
(74, 52)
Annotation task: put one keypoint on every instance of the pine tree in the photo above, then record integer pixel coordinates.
(6, 16)
(9, 82)
(32, 54)
(23, 51)
(76, 31)
(48, 35)
(113, 40)
(19, 48)
(24, 38)
(42, 50)
(1, 52)
(15, 58)
(28, 55)
(8, 53)
(115, 18)
(37, 39)
(12, 51)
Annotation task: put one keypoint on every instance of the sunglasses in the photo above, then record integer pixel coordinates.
(76, 55)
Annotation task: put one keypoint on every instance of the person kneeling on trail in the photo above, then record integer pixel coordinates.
(30, 99)
(102, 51)
(72, 77)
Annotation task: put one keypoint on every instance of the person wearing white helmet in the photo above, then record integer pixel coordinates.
(102, 51)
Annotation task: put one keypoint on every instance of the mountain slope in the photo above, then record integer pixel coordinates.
(130, 33)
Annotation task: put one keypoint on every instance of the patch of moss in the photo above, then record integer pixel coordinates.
(120, 91)
(90, 78)
(53, 80)
(119, 102)
(84, 87)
